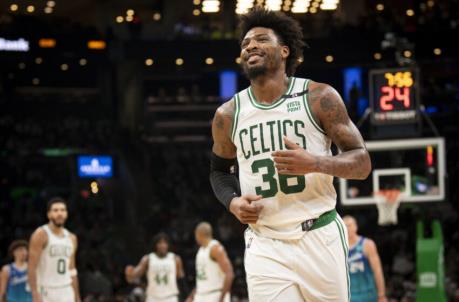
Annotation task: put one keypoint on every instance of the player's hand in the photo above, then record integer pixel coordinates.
(129, 272)
(382, 299)
(295, 161)
(189, 299)
(244, 209)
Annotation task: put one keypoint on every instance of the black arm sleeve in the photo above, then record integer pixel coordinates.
(223, 179)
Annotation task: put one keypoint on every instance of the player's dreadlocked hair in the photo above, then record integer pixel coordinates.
(158, 237)
(287, 30)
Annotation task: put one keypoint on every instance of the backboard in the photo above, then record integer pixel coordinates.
(416, 167)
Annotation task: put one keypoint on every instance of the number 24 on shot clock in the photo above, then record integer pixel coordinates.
(394, 95)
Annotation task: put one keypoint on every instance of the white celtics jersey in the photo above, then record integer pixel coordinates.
(54, 265)
(209, 275)
(257, 131)
(162, 276)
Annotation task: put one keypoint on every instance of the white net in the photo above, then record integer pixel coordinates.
(388, 202)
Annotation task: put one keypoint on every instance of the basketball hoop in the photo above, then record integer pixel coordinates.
(388, 202)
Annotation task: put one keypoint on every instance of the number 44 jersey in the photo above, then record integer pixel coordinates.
(257, 132)
(53, 266)
(162, 276)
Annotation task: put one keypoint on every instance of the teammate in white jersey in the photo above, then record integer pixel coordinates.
(164, 272)
(214, 272)
(52, 267)
(280, 130)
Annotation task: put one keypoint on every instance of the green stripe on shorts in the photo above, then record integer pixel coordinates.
(346, 251)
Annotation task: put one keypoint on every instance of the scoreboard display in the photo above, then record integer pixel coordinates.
(394, 95)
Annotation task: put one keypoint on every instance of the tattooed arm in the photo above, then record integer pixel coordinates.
(221, 128)
(352, 163)
(224, 183)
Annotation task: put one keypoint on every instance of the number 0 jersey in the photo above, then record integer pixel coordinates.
(162, 276)
(257, 132)
(53, 266)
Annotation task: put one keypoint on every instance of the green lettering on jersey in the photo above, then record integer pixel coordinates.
(161, 279)
(253, 139)
(241, 141)
(263, 148)
(271, 132)
(298, 133)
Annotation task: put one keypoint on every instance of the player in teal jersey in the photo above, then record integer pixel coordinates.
(13, 280)
(367, 279)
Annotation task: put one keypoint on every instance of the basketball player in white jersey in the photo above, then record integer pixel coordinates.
(214, 272)
(280, 130)
(164, 271)
(52, 267)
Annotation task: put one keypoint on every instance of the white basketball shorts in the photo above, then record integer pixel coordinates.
(313, 268)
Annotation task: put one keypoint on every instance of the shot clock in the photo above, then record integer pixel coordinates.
(394, 95)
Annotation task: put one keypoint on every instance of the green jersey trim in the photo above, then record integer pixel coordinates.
(235, 116)
(276, 102)
(308, 109)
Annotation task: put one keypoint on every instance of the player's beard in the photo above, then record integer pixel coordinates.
(272, 62)
(254, 72)
(57, 223)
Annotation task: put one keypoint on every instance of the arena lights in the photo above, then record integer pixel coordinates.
(149, 62)
(410, 12)
(329, 59)
(300, 60)
(47, 43)
(97, 44)
(238, 60)
(300, 6)
(437, 51)
(209, 61)
(48, 10)
(35, 81)
(38, 60)
(211, 6)
(130, 12)
(179, 62)
(14, 7)
(196, 2)
(83, 62)
(274, 5)
(407, 54)
(377, 56)
(430, 3)
(51, 3)
(129, 18)
(157, 16)
(119, 19)
(380, 7)
(64, 67)
(243, 6)
(294, 6)
(329, 4)
(30, 9)
(22, 65)
(196, 12)
(94, 187)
